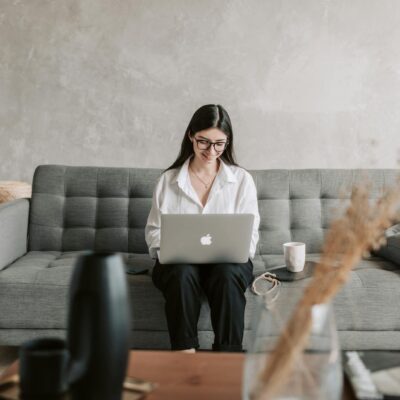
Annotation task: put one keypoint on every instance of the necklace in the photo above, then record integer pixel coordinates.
(206, 185)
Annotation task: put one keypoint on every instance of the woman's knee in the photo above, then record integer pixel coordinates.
(232, 273)
(182, 270)
(224, 271)
(181, 274)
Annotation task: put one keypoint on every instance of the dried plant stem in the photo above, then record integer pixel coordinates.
(360, 229)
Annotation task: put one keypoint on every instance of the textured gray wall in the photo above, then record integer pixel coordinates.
(310, 83)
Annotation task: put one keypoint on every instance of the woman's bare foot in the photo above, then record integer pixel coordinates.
(188, 351)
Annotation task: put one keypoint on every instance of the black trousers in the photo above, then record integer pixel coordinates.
(224, 285)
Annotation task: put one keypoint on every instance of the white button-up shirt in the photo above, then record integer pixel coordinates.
(233, 192)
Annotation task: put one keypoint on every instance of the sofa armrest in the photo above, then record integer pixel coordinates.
(13, 230)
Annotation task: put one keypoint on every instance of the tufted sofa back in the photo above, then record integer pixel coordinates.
(299, 205)
(105, 209)
(79, 208)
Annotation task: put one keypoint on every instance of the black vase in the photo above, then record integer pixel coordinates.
(98, 327)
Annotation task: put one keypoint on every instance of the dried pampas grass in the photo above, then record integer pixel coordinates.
(361, 229)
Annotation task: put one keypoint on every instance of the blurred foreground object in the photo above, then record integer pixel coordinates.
(360, 230)
(98, 327)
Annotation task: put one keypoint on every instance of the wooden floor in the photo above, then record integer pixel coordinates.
(7, 356)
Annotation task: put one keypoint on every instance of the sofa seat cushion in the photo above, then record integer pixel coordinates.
(34, 294)
(34, 289)
(364, 303)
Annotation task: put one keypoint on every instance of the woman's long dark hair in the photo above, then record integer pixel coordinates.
(206, 117)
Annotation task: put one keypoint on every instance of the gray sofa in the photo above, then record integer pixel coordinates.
(105, 209)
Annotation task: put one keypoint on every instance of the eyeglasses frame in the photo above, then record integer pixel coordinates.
(211, 144)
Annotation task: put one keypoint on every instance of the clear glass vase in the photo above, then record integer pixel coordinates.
(315, 374)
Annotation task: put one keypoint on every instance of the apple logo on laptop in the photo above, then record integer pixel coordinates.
(206, 240)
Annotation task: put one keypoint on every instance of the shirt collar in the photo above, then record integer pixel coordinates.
(183, 173)
(225, 172)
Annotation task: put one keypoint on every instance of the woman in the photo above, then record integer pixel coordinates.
(204, 179)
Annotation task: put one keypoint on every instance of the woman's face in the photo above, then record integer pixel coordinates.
(202, 147)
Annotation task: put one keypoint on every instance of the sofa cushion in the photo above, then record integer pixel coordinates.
(34, 294)
(34, 289)
(105, 209)
(364, 303)
(102, 209)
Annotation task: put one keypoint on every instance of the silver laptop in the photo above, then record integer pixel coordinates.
(205, 238)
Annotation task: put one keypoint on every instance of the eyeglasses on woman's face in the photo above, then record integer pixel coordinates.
(203, 144)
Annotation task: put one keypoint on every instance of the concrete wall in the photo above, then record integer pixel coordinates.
(310, 83)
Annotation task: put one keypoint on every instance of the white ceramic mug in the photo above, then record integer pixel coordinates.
(295, 256)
